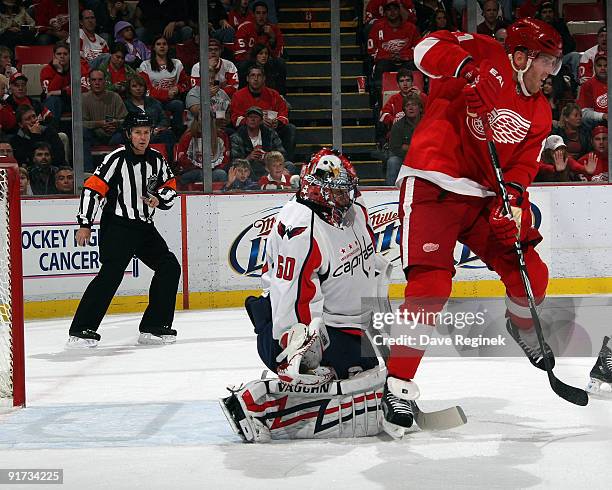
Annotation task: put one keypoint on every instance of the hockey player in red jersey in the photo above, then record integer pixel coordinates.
(448, 188)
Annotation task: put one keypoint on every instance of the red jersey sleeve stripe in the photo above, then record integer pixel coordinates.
(306, 288)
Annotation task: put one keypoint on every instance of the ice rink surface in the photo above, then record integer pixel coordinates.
(129, 416)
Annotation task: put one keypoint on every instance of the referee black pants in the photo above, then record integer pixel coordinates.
(120, 240)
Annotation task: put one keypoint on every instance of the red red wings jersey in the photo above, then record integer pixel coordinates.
(601, 170)
(51, 79)
(247, 36)
(235, 18)
(587, 63)
(314, 269)
(376, 10)
(267, 183)
(448, 147)
(385, 40)
(594, 95)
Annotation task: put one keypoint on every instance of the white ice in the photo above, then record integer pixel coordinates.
(128, 416)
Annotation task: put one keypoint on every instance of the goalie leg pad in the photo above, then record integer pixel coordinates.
(265, 410)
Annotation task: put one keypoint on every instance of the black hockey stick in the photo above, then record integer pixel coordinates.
(572, 394)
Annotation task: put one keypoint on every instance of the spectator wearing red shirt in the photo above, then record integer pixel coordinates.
(55, 81)
(52, 16)
(587, 60)
(19, 86)
(275, 111)
(239, 14)
(393, 110)
(116, 72)
(166, 80)
(391, 43)
(595, 163)
(277, 178)
(259, 31)
(593, 97)
(375, 10)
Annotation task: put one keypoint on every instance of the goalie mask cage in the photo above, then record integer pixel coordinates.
(12, 362)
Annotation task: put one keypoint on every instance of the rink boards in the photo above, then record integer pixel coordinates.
(220, 240)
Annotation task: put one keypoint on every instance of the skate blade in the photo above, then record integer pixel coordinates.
(150, 339)
(599, 389)
(81, 344)
(397, 432)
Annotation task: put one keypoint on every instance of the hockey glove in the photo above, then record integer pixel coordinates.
(302, 354)
(507, 228)
(483, 92)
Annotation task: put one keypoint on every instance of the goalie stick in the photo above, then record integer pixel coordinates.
(572, 394)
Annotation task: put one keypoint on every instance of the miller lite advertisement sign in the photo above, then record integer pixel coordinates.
(245, 237)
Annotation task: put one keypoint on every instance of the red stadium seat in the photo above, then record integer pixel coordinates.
(583, 11)
(33, 55)
(585, 41)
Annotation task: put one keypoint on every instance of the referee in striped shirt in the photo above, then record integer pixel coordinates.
(129, 185)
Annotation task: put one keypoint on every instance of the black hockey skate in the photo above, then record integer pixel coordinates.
(531, 347)
(601, 374)
(157, 336)
(397, 411)
(85, 339)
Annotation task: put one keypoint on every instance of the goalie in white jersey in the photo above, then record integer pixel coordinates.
(320, 283)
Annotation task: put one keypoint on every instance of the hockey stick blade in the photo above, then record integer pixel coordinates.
(572, 394)
(449, 418)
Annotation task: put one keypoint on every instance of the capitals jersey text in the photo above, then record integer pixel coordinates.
(314, 269)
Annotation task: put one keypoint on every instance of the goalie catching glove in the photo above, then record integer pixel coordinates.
(303, 350)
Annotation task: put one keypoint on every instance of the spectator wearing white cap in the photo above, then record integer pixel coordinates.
(556, 165)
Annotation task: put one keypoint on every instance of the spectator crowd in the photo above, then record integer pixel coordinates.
(146, 59)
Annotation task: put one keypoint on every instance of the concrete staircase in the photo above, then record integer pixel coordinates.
(306, 28)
